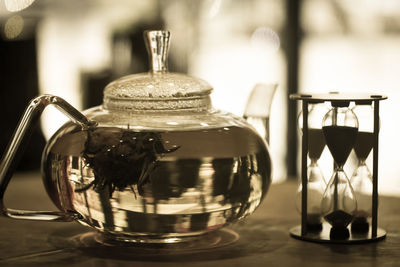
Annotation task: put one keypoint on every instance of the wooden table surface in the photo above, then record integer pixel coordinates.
(263, 238)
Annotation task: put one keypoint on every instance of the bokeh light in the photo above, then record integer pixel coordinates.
(17, 5)
(13, 27)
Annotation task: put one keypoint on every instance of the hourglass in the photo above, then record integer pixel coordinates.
(316, 181)
(340, 127)
(361, 179)
(339, 203)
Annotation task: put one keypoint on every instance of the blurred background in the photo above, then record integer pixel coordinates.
(74, 48)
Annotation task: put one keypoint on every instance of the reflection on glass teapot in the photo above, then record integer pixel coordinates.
(154, 163)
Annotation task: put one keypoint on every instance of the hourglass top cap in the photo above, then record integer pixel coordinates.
(340, 103)
(337, 96)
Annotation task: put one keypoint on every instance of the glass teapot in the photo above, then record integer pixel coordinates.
(154, 163)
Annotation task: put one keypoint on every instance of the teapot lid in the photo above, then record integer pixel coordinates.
(157, 89)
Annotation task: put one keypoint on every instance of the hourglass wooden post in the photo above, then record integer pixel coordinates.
(304, 180)
(325, 235)
(375, 171)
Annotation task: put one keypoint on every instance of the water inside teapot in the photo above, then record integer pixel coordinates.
(173, 183)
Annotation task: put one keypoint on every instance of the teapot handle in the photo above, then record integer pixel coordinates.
(18, 143)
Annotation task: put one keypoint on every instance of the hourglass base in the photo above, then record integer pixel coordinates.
(324, 236)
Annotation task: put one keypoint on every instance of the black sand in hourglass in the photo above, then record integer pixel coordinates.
(364, 144)
(316, 144)
(340, 141)
(362, 148)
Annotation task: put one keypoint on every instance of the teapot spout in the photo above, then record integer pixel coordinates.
(257, 111)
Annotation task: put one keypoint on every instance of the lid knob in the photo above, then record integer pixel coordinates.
(157, 43)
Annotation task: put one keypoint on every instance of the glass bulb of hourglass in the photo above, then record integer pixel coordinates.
(338, 205)
(361, 179)
(361, 182)
(315, 190)
(316, 182)
(316, 113)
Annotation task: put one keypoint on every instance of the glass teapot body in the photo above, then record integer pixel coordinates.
(158, 175)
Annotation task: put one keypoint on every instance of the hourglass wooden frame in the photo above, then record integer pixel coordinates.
(300, 231)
